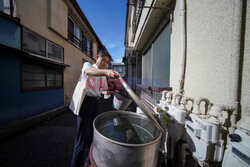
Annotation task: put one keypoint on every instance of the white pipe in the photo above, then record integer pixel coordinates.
(183, 45)
(235, 58)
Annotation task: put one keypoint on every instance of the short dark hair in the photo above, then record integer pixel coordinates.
(105, 53)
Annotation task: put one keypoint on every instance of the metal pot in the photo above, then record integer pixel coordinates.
(123, 139)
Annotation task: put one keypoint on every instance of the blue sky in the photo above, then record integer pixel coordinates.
(107, 17)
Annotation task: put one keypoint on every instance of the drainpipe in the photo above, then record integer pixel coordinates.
(183, 45)
(235, 59)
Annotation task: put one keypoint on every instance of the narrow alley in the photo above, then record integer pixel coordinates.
(48, 144)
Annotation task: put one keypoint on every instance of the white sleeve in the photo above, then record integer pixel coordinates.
(86, 66)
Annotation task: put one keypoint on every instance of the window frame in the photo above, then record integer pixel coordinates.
(47, 51)
(74, 36)
(46, 67)
(89, 50)
(31, 52)
(46, 46)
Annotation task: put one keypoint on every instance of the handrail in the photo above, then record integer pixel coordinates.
(156, 89)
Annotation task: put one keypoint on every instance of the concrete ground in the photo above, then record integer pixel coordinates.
(48, 144)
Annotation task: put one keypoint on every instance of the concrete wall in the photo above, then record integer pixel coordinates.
(209, 41)
(53, 25)
(245, 95)
(57, 16)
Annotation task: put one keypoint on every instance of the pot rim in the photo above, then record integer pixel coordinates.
(126, 144)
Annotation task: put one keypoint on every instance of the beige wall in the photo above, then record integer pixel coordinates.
(57, 16)
(210, 44)
(53, 25)
(94, 50)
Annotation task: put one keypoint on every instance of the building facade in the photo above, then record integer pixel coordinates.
(120, 67)
(43, 47)
(192, 50)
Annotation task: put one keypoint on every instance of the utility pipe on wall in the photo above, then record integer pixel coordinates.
(183, 45)
(235, 59)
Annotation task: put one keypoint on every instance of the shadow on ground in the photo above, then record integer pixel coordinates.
(49, 144)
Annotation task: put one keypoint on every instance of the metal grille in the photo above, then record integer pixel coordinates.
(149, 96)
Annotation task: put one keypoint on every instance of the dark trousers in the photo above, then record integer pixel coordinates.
(84, 136)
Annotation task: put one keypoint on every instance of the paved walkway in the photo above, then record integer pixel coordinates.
(49, 144)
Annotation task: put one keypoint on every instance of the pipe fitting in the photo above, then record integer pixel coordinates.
(183, 103)
(192, 106)
(173, 102)
(215, 113)
(163, 97)
(197, 103)
(169, 97)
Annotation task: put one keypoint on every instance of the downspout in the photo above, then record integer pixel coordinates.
(235, 60)
(183, 45)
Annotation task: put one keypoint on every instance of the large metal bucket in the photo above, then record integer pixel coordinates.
(123, 139)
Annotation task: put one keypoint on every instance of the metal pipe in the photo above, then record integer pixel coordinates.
(235, 58)
(183, 45)
(140, 104)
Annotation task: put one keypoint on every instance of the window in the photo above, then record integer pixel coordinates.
(55, 52)
(39, 46)
(38, 76)
(33, 76)
(33, 43)
(78, 38)
(8, 7)
(74, 33)
(120, 69)
(87, 46)
(54, 77)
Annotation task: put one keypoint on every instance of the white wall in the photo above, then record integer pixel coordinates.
(245, 95)
(209, 50)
